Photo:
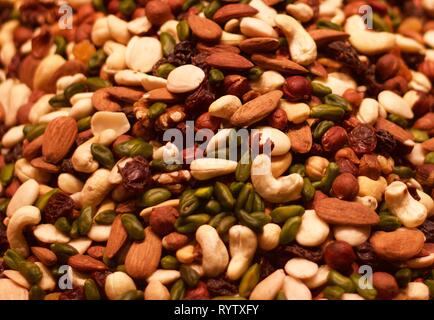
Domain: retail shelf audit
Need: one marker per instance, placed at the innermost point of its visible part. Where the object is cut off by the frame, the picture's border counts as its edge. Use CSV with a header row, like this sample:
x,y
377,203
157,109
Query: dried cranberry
x,y
73,294
428,230
221,287
59,205
386,143
363,139
136,175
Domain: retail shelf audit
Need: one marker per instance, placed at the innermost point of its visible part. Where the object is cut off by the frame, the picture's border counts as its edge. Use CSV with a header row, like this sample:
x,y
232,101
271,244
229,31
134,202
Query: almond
x,y
395,130
426,122
233,11
34,148
280,64
116,239
27,70
203,28
335,211
217,48
401,244
59,138
256,109
228,60
107,99
428,145
161,94
143,257
43,165
325,36
96,252
301,138
85,263
46,256
259,45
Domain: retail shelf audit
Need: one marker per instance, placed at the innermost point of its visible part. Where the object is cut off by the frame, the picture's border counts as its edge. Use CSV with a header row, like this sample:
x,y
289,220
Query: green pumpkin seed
x,y
298,168
281,214
35,131
215,76
102,155
188,4
91,291
236,187
167,43
13,259
156,109
319,89
379,24
336,100
258,203
212,8
289,230
63,251
169,263
177,291
250,201
188,203
62,224
42,201
84,221
155,196
224,195
133,295
105,217
322,128
164,70
134,147
419,135
388,222
96,83
96,61
225,224
84,124
36,293
30,271
7,173
330,175
429,158
403,277
190,223
189,275
333,292
337,279
74,230
254,221
133,226
183,30
120,267
327,112
249,280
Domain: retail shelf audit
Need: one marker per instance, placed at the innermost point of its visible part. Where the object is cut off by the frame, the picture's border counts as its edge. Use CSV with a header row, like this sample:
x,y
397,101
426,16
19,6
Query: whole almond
x,y
428,145
107,99
324,36
335,211
228,60
259,45
202,47
395,130
34,148
426,122
203,28
256,109
43,165
283,65
46,256
143,257
85,263
233,11
59,138
399,245
301,138
116,239
161,94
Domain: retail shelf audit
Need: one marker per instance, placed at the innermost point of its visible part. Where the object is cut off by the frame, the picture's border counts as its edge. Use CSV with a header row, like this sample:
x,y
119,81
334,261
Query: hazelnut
x,y
339,255
316,167
398,84
353,96
207,121
370,167
158,12
236,85
387,67
423,105
427,68
334,138
278,119
162,219
385,284
297,88
347,153
345,186
174,241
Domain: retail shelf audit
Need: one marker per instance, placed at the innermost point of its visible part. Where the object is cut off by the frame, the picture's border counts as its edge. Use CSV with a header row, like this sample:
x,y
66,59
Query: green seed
x,y
281,296
156,109
319,89
338,101
96,83
213,207
404,172
281,214
337,279
330,175
177,291
308,191
419,135
60,43
43,200
13,259
189,275
102,155
74,230
133,226
324,24
204,192
388,223
215,221
333,292
59,101
243,196
242,172
96,61
236,187
327,112
190,223
430,284
211,9
188,203
7,173
400,121
120,267
183,30
3,205
403,277
249,280
34,131
368,294
167,43
379,24
164,70
250,201
62,224
187,4
63,251
127,7
99,5
226,223
91,291
73,89
429,158
105,217
161,165
224,196
215,76
132,295
84,221
134,147
322,128
258,203
36,293
155,196
254,221
289,230
169,263
30,271
298,168
255,73
84,123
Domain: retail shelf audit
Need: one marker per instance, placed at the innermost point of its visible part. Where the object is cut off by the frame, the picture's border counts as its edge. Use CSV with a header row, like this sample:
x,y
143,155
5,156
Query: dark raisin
x,y
366,255
346,165
73,294
413,59
312,254
99,277
59,205
386,143
199,60
428,230
136,175
266,268
200,99
363,139
221,287
14,154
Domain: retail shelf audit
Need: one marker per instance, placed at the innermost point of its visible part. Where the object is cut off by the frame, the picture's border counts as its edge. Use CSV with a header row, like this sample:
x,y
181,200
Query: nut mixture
x,y
337,204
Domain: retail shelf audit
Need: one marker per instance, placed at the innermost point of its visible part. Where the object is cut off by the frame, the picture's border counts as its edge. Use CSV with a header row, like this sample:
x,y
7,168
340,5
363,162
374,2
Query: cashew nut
x,y
369,187
25,195
312,231
96,188
265,13
242,246
409,211
268,81
274,190
301,45
215,257
268,288
69,183
427,201
269,238
166,277
280,141
82,158
25,171
23,217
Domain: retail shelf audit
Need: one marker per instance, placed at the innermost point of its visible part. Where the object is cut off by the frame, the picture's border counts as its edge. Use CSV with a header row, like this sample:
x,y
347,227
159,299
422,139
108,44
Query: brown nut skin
x,y
353,96
236,85
158,12
370,167
339,255
345,186
174,241
334,138
278,119
297,88
427,68
387,67
207,121
423,105
398,84
162,219
385,284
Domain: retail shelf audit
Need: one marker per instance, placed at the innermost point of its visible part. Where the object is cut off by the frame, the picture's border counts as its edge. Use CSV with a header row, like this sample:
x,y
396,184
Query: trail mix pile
x,y
338,92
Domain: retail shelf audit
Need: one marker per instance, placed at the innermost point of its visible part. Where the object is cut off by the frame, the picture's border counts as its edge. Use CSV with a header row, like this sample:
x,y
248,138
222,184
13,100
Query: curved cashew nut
x,y
82,159
215,257
274,190
23,217
301,45
242,246
410,212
